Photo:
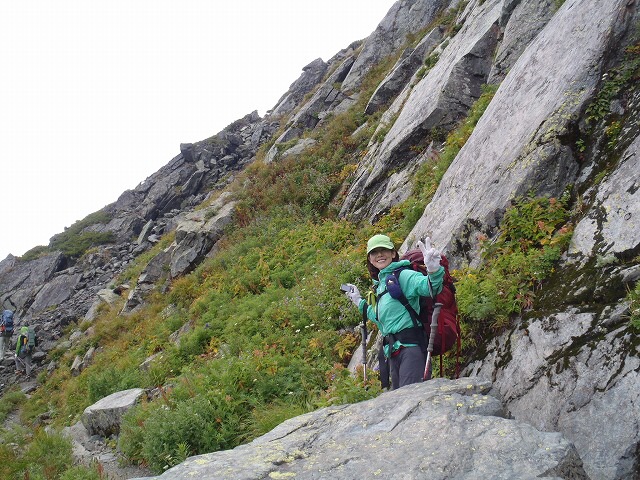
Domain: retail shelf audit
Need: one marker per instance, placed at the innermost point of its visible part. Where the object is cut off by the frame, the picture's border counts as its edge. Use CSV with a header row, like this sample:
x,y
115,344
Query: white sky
x,y
95,96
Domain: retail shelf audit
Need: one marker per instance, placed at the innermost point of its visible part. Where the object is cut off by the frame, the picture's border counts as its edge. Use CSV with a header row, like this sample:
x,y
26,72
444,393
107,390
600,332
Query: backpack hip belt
x,y
407,336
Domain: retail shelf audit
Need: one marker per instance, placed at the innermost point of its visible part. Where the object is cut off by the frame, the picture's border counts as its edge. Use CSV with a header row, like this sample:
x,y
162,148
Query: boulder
x,y
299,147
56,291
323,100
103,417
198,232
104,296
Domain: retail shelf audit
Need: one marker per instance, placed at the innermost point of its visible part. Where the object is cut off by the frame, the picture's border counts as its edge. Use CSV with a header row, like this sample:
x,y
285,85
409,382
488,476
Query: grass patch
x,y
533,234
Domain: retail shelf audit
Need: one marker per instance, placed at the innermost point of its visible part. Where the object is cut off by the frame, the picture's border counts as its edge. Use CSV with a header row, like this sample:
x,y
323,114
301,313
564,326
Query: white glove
x,y
430,254
354,294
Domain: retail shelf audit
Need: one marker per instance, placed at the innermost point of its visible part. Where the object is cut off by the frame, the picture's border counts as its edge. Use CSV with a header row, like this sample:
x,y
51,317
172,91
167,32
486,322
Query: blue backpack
x,y
6,327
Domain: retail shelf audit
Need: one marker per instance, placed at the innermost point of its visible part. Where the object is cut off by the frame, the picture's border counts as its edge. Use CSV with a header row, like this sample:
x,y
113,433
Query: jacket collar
x,y
389,269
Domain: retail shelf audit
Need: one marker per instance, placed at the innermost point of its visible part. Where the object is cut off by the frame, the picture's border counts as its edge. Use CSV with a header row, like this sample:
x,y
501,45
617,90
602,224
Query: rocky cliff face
x,y
572,368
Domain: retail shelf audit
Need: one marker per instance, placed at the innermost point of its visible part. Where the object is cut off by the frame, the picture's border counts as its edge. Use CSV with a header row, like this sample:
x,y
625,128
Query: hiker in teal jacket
x,y
406,348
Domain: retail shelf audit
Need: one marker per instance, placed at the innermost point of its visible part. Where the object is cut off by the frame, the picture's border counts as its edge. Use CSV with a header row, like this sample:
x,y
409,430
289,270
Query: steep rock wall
x,y
439,100
509,155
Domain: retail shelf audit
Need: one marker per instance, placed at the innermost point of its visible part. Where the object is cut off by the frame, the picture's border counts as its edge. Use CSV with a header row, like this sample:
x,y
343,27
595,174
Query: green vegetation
x,y
74,241
40,456
533,234
10,401
615,81
35,252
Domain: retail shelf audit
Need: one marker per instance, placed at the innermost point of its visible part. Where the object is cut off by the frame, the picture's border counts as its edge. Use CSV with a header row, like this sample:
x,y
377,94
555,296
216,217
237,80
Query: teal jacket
x,y
389,314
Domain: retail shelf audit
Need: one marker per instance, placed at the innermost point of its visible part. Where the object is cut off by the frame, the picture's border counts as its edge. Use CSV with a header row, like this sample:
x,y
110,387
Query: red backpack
x,y
448,333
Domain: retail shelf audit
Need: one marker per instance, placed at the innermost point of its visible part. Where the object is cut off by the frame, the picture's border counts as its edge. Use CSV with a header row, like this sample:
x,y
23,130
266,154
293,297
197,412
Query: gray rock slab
x,y
612,225
438,101
575,376
439,430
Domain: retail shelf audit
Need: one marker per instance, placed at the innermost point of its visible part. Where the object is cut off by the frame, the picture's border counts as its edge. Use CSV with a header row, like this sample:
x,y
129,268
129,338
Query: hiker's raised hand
x,y
354,294
425,248
430,254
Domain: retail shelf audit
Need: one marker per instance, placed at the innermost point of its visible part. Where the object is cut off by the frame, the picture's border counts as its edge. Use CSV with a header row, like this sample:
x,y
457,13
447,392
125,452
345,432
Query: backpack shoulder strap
x,y
394,289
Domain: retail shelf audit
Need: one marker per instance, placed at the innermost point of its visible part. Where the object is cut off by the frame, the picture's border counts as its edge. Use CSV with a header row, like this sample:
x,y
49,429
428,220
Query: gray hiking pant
x,y
23,362
4,343
407,367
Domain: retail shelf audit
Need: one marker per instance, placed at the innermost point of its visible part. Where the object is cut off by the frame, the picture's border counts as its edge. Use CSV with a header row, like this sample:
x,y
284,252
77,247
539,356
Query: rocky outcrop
x,y
403,71
324,100
20,281
311,76
564,387
519,154
439,100
196,233
184,182
339,91
404,18
452,429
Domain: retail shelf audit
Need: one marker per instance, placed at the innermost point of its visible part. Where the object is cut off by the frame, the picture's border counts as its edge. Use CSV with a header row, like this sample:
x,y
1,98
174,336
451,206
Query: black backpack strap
x,y
378,297
403,299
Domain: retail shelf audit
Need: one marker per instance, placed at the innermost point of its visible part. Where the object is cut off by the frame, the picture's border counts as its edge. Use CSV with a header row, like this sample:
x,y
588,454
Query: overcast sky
x,y
98,95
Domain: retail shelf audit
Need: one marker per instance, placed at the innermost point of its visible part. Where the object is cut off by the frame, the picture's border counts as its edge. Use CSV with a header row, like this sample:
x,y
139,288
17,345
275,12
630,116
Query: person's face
x,y
381,257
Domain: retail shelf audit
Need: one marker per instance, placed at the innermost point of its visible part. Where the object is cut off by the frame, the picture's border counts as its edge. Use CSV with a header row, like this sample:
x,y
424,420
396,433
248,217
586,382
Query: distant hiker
x,y
25,345
6,330
405,345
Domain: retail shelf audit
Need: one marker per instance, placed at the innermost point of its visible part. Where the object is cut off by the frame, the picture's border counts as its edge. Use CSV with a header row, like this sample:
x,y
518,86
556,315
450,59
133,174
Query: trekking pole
x,y
363,327
432,336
